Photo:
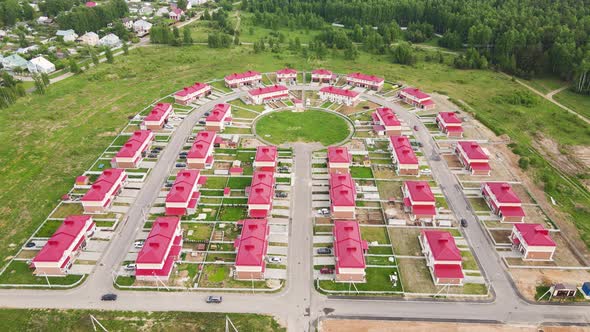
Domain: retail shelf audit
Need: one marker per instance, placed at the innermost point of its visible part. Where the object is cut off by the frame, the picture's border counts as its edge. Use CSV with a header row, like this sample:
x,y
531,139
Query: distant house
x,y
157,118
127,23
365,81
473,157
184,195
160,250
162,11
89,38
385,122
266,158
260,195
237,80
503,201
28,49
533,242
287,75
67,35
200,155
142,27
342,196
339,96
416,98
190,93
44,20
339,159
110,41
443,257
450,124
176,14
349,251
251,247
146,10
267,94
419,201
219,117
40,65
132,152
322,76
403,156
14,61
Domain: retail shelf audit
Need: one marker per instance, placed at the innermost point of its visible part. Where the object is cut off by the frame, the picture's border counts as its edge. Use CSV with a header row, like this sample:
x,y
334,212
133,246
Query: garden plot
x,y
377,281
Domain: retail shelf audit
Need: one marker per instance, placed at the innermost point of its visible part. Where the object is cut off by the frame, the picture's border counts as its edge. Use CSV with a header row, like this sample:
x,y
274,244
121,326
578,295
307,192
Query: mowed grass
x,y
308,126
79,320
577,102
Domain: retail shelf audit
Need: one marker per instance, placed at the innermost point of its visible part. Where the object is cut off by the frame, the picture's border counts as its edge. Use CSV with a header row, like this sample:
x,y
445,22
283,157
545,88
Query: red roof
x,y
234,76
403,150
135,143
535,235
473,150
348,245
387,117
419,191
90,4
424,210
415,92
103,184
512,211
177,11
62,239
81,179
448,271
218,113
252,242
268,89
503,192
257,213
159,111
201,145
342,190
286,71
266,153
365,77
442,245
158,241
262,188
449,117
192,89
338,154
164,271
339,91
480,166
322,72
182,189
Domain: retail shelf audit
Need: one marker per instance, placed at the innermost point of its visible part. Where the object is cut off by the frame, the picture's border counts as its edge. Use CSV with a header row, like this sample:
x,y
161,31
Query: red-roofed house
x,y
218,118
322,76
251,248
339,159
340,96
157,118
259,96
190,93
349,251
184,194
81,180
262,192
403,156
503,201
247,78
160,250
266,158
176,14
450,124
200,155
419,200
60,251
533,241
386,123
133,151
416,98
443,258
342,196
101,194
473,157
365,81
287,75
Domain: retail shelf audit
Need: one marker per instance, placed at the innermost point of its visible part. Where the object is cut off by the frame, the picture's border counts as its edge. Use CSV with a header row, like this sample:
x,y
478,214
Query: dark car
x,y
324,251
182,156
30,244
202,122
109,297
180,165
416,128
463,222
183,153
214,299
206,113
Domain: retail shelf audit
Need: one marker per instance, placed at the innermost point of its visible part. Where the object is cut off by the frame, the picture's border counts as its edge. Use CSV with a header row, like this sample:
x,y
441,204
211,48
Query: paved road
x,y
298,305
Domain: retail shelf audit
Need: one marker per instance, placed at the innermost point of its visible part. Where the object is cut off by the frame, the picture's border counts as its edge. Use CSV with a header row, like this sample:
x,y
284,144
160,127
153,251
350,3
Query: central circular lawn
x,y
309,126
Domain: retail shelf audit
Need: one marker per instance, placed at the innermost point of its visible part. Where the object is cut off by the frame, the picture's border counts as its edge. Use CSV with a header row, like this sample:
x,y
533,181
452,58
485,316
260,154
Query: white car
x,y
130,267
138,244
276,260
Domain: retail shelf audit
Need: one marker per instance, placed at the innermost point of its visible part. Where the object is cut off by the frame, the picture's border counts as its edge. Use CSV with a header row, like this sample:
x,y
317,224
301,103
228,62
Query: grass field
x,y
18,273
576,102
308,126
79,320
61,133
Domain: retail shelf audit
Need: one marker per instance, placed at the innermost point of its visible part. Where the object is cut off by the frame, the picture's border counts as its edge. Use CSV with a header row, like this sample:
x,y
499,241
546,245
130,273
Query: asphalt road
x,y
298,305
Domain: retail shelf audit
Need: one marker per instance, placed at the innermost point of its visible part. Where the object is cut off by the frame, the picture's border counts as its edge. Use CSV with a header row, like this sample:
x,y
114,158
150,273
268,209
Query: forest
x,y
527,38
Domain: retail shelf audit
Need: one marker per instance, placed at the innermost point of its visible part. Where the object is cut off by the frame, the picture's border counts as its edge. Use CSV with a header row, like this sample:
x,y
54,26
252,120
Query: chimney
x,y
204,134
351,249
160,105
261,176
96,186
258,190
348,228
541,230
154,244
199,146
252,227
341,177
128,145
107,172
505,186
249,247
474,145
180,188
69,222
52,242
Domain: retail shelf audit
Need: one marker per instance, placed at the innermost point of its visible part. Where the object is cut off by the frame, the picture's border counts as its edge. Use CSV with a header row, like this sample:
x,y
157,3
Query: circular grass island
x,y
308,126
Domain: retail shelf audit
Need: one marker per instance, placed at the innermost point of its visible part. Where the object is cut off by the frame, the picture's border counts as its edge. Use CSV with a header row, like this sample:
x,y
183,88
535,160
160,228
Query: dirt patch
x,y
527,280
572,162
369,216
349,325
248,143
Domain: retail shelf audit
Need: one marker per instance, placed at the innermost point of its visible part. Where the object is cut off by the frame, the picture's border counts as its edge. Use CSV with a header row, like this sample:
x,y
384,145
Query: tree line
x,y
522,37
83,19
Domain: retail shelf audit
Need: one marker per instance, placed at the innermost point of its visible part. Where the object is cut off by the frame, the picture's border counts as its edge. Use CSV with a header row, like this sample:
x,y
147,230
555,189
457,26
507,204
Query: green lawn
x,y
377,280
79,320
361,172
18,273
577,102
216,182
230,213
239,182
545,84
372,233
200,232
49,227
308,126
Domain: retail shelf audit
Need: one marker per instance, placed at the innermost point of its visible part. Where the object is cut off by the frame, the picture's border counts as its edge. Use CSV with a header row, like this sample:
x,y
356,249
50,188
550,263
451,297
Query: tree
x,y
8,80
182,4
403,54
351,52
45,79
125,49
109,55
120,30
40,87
94,58
187,38
74,67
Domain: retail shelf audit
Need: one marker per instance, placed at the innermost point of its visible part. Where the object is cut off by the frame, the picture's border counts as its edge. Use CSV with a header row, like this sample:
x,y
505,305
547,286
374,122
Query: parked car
x,y
153,155
416,128
167,126
109,297
138,244
202,122
206,113
420,144
30,245
281,194
183,157
324,212
180,165
324,251
214,299
168,184
130,267
326,270
184,153
158,148
275,260
463,222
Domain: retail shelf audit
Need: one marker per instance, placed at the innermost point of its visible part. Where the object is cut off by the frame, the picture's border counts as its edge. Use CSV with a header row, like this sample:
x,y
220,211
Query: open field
x,y
577,102
68,131
79,320
308,126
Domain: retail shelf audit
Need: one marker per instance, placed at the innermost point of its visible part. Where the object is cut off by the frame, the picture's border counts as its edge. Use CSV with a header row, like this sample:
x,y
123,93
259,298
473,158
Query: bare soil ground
x,y
349,325
250,143
369,216
405,241
571,162
501,236
362,106
452,161
527,280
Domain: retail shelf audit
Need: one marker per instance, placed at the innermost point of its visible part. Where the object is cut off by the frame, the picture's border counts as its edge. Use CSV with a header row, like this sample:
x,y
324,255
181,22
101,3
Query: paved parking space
x,y
81,269
283,221
119,209
134,185
283,238
277,250
95,245
90,255
320,204
275,274
106,235
132,256
324,260
278,229
147,164
281,212
323,239
123,199
281,202
282,187
320,197
157,210
128,192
